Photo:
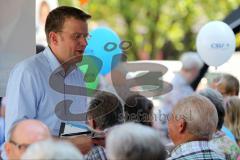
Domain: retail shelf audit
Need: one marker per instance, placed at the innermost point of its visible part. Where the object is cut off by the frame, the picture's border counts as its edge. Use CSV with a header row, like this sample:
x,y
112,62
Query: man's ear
x,y
182,125
92,123
7,147
53,38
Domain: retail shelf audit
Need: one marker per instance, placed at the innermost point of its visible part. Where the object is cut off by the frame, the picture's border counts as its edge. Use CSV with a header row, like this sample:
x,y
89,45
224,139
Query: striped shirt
x,y
97,153
197,150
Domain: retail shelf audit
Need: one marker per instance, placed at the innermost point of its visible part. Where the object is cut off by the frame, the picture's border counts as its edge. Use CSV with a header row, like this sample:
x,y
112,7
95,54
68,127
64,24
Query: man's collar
x,y
55,64
52,60
189,147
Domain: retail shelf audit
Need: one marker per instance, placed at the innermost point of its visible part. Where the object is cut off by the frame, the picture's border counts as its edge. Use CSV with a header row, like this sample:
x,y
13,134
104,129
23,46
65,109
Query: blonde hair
x,y
232,118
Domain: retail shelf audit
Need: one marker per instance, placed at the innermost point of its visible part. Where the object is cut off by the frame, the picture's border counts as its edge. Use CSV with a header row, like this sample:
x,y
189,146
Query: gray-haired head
x,y
191,60
217,99
199,114
134,141
191,65
52,150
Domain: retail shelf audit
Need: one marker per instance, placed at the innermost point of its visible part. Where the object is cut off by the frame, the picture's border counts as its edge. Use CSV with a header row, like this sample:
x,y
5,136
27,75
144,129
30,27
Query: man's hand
x,y
99,141
83,143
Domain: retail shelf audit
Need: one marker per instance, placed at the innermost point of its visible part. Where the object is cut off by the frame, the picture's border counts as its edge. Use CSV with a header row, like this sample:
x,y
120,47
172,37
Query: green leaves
x,y
153,26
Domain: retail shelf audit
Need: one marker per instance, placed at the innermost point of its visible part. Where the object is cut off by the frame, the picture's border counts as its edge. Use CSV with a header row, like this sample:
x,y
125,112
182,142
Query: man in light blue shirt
x,y
40,87
31,96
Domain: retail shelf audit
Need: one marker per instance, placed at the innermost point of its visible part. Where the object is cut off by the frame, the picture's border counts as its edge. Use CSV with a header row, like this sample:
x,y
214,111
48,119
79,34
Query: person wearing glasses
x,y
40,86
24,133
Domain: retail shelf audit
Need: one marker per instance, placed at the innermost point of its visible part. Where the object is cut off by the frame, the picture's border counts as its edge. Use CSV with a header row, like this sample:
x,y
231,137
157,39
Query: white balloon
x,y
215,43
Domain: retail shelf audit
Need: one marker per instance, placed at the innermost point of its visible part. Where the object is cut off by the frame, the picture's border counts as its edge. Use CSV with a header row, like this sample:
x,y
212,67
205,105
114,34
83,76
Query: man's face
x,y
20,141
72,40
221,88
192,74
15,148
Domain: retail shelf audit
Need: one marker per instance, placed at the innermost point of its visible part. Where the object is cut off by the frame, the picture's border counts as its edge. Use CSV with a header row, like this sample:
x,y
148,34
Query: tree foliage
x,y
157,28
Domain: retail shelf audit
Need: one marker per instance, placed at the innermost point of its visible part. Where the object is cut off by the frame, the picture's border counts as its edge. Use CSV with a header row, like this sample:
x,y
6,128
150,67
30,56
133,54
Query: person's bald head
x,y
24,133
36,130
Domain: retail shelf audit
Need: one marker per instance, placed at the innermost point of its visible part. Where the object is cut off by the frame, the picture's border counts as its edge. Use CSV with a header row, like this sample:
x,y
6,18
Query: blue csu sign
x,y
220,45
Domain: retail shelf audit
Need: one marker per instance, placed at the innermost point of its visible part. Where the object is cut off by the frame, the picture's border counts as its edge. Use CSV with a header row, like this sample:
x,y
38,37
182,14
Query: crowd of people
x,y
47,90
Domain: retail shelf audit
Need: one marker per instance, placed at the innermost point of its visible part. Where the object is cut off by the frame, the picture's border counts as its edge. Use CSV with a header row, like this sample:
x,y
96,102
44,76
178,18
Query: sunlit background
x,y
158,29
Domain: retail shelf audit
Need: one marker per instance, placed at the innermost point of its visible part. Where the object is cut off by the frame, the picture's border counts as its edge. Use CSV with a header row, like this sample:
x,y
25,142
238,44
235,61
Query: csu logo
x,y
220,45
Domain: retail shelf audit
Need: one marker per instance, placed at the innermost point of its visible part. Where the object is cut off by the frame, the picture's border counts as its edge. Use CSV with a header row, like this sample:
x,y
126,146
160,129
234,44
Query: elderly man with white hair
x,y
132,141
191,65
193,122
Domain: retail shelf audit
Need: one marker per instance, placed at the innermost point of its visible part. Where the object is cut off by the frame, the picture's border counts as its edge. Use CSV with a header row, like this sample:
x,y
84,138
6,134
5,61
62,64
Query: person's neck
x,y
183,73
98,129
65,65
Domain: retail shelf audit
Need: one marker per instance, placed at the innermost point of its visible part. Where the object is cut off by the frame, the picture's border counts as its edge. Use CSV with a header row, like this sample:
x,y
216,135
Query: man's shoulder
x,y
195,150
97,152
32,61
30,64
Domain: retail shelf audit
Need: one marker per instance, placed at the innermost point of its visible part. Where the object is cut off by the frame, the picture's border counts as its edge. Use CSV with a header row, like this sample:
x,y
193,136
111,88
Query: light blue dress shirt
x,y
31,97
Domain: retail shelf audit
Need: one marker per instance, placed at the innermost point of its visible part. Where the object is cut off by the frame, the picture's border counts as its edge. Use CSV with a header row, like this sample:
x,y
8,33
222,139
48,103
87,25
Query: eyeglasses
x,y
19,146
77,36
